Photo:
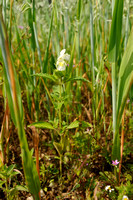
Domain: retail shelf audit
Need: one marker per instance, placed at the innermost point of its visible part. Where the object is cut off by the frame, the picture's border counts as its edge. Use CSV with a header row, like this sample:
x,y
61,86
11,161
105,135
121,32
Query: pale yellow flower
x,y
125,198
62,60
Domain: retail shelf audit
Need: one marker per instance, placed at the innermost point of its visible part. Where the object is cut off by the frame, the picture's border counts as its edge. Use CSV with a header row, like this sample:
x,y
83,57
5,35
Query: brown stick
x,y
36,142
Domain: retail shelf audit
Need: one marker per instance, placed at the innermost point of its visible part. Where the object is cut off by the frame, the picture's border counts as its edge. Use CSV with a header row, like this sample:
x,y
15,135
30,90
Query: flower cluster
x,y
62,60
108,188
125,198
116,162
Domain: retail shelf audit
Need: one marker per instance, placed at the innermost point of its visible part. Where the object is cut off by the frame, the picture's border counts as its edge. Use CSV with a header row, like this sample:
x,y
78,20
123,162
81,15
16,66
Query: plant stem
x,y
92,54
114,97
4,10
92,41
60,107
6,187
61,167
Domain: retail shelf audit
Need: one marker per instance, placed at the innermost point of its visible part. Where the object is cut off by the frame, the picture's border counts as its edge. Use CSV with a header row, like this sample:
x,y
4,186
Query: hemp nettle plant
x,y
59,98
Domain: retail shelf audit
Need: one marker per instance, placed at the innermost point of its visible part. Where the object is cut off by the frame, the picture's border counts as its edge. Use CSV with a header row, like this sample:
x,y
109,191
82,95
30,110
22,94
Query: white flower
x,y
62,60
62,52
61,65
41,193
29,198
125,198
109,188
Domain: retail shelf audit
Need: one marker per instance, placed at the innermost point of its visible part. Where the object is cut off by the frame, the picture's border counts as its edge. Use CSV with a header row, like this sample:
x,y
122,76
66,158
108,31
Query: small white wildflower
x,y
29,198
41,193
62,60
125,198
109,188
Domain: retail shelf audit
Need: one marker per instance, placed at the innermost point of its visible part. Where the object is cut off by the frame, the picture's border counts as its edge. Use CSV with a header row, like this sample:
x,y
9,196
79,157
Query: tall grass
x,y
15,105
93,34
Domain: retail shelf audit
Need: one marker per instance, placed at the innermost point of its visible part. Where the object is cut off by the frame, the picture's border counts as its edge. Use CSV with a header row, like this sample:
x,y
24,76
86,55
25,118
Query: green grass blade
x,y
125,77
115,33
30,21
92,41
37,44
15,105
79,9
71,58
4,10
47,50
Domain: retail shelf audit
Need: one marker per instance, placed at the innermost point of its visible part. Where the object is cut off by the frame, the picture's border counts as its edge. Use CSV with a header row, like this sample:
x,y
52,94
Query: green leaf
x,y
17,188
10,170
74,124
69,69
86,124
7,74
37,44
115,33
48,76
2,182
42,125
116,147
125,79
79,9
16,110
21,188
25,7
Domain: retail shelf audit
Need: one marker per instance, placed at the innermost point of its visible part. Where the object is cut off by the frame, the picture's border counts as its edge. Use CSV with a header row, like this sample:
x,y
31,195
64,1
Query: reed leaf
x,y
115,33
124,83
125,77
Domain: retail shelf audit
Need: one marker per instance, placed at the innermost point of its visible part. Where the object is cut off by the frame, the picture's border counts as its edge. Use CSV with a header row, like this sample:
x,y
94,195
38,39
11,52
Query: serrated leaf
x,y
44,75
74,124
46,125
